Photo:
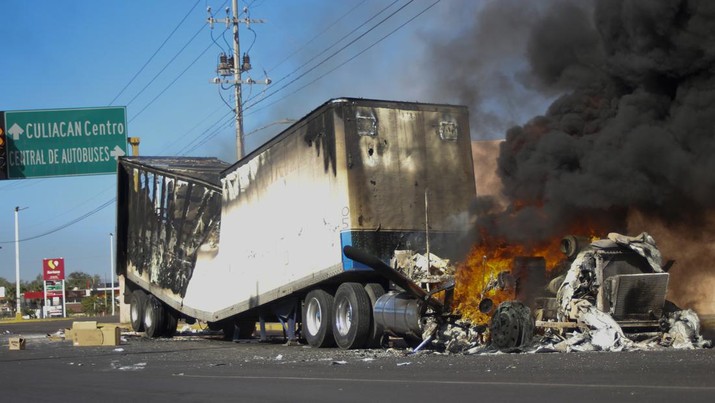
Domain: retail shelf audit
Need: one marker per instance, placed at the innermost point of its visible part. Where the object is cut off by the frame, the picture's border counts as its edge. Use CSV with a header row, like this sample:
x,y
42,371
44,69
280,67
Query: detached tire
x,y
352,313
137,302
318,319
376,332
512,326
154,320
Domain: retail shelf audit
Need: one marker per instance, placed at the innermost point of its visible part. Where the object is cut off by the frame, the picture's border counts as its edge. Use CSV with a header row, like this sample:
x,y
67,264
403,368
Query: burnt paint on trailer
x,y
167,219
280,221
321,137
391,169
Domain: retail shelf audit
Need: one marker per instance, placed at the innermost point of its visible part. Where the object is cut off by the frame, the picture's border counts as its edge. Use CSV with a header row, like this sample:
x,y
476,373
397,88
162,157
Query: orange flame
x,y
482,268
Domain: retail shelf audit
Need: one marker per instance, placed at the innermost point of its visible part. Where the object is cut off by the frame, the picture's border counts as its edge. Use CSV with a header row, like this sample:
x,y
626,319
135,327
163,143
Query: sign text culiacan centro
x,y
64,141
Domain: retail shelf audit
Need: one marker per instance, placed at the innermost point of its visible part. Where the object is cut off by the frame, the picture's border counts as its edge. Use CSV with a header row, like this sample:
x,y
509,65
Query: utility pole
x,y
18,313
235,65
111,267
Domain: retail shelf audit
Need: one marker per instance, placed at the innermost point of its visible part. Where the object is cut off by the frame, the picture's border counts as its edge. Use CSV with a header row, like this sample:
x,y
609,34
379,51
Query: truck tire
x,y
511,326
376,333
318,318
154,321
137,302
246,328
214,326
229,328
352,313
172,319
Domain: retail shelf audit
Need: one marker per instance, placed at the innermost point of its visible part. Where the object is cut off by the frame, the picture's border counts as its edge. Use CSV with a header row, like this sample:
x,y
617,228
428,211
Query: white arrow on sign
x,y
117,152
16,131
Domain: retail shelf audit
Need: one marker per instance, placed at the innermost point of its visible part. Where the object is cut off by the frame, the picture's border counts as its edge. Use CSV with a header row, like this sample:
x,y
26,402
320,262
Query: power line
x,y
216,130
155,52
113,199
186,133
346,61
72,222
333,45
170,84
333,54
317,35
167,64
199,140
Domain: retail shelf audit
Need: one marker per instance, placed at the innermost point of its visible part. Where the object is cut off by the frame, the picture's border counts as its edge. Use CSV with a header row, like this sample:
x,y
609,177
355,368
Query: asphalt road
x,y
204,367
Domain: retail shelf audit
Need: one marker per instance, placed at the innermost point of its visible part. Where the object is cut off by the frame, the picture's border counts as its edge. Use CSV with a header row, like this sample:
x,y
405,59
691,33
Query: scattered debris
x,y
16,343
610,298
57,336
421,269
684,331
134,367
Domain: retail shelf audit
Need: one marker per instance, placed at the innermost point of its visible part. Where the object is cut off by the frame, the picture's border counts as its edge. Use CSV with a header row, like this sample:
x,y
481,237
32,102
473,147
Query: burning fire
x,y
479,276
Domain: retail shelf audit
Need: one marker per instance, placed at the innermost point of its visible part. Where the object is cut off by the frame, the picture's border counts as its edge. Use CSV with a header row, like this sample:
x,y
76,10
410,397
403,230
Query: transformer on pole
x,y
234,65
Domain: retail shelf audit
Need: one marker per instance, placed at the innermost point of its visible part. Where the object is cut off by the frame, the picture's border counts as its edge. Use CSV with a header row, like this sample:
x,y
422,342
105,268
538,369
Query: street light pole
x,y
18,312
111,266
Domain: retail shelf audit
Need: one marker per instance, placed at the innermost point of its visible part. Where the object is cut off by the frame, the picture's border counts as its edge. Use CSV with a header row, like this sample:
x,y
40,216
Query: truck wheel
x,y
246,328
172,319
351,316
317,319
374,339
229,328
154,323
137,302
511,326
214,326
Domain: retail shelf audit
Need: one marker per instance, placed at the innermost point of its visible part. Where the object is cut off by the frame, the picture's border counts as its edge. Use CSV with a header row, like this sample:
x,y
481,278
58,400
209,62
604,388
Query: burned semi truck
x,y
200,239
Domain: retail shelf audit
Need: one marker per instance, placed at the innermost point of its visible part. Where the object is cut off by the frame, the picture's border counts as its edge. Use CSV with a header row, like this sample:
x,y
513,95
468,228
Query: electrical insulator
x,y
224,68
246,62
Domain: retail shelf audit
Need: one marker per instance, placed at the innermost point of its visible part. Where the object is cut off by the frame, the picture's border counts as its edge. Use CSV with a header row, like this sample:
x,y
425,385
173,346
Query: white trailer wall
x,y
280,222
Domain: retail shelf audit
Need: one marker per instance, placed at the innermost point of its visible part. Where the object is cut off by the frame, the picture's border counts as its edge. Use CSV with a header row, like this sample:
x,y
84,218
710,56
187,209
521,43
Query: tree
x,y
9,292
35,285
80,280
93,305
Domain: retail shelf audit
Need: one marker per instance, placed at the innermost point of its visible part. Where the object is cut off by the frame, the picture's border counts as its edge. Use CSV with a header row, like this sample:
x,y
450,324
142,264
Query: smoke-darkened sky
x,y
625,139
632,120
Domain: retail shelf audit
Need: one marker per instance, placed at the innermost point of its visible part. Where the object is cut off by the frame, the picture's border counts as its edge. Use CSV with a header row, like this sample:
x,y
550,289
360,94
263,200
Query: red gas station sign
x,y
53,269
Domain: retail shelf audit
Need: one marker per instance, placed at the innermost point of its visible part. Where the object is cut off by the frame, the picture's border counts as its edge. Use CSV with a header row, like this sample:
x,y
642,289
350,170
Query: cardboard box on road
x,y
17,343
90,334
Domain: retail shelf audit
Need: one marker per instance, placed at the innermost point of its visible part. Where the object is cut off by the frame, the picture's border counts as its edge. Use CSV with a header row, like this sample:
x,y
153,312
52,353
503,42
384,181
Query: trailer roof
x,y
206,169
344,100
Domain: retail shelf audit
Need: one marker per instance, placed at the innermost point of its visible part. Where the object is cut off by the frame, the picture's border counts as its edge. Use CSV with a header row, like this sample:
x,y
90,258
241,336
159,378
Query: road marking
x,y
448,382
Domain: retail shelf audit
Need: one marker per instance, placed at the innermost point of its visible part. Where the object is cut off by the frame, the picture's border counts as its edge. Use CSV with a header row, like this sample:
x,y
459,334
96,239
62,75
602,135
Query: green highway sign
x,y
62,142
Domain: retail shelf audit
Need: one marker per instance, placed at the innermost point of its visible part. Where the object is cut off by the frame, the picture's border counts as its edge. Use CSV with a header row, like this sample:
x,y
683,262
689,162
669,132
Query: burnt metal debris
x,y
611,298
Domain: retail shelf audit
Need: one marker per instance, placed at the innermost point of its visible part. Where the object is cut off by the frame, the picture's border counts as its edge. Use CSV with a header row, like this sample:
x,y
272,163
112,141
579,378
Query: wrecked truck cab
x,y
613,297
621,276
608,294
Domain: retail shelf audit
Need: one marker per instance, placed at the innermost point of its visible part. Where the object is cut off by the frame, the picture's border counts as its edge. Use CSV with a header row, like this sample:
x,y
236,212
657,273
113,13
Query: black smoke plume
x,y
633,128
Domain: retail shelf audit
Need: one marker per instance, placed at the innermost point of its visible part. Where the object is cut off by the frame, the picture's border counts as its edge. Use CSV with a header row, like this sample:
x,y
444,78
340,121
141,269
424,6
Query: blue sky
x,y
74,54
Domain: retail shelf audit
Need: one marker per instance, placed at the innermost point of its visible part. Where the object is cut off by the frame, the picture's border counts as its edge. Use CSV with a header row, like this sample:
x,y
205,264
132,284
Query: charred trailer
x,y
168,209
266,235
